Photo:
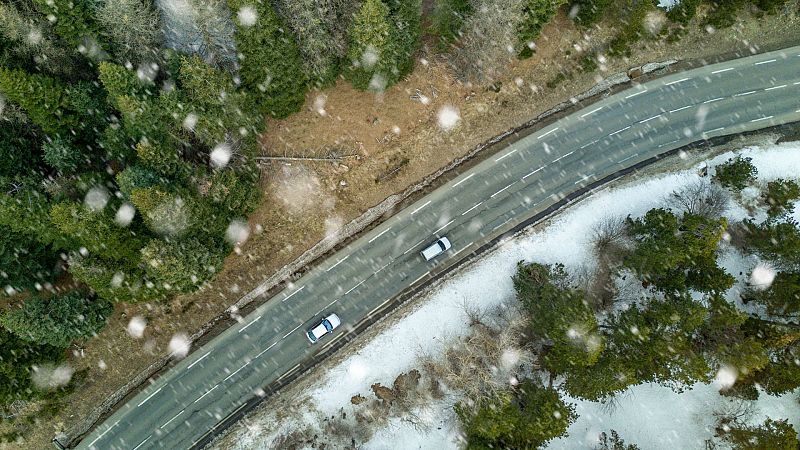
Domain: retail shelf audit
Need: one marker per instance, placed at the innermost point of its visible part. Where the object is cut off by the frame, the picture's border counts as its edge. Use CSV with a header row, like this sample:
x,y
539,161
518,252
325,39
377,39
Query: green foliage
x,y
614,442
684,11
135,177
590,11
96,231
110,282
777,242
782,298
406,21
45,99
780,196
536,14
449,16
373,49
235,192
724,341
529,416
60,154
271,67
771,435
58,320
17,356
73,21
736,173
22,212
560,314
631,28
723,13
24,261
180,266
18,148
676,254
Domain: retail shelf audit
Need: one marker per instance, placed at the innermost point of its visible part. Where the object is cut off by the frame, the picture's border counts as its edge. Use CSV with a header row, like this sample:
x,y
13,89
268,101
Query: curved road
x,y
182,407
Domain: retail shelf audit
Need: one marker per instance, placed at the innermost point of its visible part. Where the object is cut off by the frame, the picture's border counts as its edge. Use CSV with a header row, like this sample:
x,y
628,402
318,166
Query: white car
x,y
437,248
325,326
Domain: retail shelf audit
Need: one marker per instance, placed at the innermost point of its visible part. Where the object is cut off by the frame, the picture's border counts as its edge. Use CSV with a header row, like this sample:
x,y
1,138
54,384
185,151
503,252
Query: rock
x,y
636,72
382,392
358,399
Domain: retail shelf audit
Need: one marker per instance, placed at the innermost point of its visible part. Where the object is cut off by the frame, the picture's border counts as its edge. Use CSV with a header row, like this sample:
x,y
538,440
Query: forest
x,y
127,139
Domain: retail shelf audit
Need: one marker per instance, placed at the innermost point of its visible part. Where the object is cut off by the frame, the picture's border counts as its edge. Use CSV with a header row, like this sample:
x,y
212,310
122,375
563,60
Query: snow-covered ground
x,y
649,415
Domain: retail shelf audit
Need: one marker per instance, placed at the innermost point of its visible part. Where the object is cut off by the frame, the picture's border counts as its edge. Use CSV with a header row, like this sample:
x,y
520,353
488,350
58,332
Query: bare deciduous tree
x,y
700,198
29,37
134,26
489,40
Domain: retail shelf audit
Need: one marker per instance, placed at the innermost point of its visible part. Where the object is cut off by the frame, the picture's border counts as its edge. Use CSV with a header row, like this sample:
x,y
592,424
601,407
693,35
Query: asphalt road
x,y
183,406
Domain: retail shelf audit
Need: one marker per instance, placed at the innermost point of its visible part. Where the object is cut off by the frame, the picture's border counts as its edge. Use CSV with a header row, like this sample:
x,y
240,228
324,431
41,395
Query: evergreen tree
x,y
96,231
736,173
560,314
19,146
529,416
114,283
614,442
180,266
407,23
725,342
676,254
590,12
58,320
777,242
771,435
782,298
373,49
271,67
24,261
45,99
779,197
537,14
17,356
61,154
449,16
74,22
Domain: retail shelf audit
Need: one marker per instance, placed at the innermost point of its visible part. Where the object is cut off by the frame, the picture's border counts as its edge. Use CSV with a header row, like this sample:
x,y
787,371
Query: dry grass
x,y
365,123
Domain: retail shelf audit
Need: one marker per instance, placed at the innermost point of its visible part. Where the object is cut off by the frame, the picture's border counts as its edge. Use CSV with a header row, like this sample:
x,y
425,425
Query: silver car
x,y
327,325
437,248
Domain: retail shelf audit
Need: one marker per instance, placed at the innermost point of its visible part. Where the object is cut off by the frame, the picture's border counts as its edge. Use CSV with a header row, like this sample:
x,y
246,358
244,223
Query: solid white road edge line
x,y
150,396
245,327
295,292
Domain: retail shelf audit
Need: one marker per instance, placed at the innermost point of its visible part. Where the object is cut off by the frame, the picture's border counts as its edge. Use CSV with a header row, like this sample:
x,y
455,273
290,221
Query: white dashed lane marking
x,y
721,70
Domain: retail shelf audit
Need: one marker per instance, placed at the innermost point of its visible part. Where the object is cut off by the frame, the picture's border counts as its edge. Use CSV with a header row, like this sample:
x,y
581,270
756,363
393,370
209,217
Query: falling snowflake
x,y
179,345
190,121
51,377
762,276
125,215
237,232
319,104
726,376
370,57
448,117
96,199
136,326
247,15
220,156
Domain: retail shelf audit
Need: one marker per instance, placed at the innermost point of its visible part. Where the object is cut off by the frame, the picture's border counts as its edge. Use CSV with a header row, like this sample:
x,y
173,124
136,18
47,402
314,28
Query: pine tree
x,y
528,416
559,314
736,173
771,435
373,48
407,24
45,99
449,16
674,254
74,22
537,14
271,68
134,26
17,356
779,197
782,298
777,242
180,265
58,320
25,262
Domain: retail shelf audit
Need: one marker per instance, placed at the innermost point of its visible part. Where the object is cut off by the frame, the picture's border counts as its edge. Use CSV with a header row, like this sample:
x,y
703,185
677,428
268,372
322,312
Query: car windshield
x,y
441,245
311,336
328,325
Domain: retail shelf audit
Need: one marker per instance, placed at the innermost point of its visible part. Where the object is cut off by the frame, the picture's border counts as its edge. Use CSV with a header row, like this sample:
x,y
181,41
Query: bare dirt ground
x,y
394,141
